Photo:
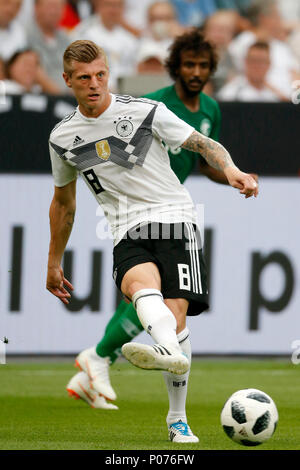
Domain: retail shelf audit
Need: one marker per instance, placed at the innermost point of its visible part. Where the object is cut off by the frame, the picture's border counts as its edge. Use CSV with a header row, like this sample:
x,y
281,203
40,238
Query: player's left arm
x,y
219,158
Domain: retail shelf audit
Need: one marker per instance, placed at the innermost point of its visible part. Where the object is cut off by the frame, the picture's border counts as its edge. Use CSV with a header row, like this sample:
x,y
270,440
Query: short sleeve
x,y
62,173
170,128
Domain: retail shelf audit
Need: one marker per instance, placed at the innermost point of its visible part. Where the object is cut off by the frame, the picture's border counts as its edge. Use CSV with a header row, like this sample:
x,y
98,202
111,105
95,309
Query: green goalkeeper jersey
x,y
207,121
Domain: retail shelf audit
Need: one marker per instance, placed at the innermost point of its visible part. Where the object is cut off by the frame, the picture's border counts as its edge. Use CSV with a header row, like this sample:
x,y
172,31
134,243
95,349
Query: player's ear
x,y
67,79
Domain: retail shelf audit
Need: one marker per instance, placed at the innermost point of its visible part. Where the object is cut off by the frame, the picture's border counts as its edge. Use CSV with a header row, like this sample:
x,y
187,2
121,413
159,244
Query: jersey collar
x,y
85,118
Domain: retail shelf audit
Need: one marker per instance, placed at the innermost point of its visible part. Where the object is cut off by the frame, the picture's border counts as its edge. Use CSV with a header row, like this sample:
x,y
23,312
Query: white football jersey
x,y
122,159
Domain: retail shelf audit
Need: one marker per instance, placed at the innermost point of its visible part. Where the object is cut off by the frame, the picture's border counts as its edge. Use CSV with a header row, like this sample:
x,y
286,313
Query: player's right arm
x,y
62,213
177,133
218,157
213,174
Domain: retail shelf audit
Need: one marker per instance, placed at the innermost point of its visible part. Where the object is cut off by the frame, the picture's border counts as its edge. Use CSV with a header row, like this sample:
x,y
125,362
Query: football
x,y
249,417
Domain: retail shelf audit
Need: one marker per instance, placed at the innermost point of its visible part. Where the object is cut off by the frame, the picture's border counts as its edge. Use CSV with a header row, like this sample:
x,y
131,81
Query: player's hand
x,y
246,183
56,282
254,176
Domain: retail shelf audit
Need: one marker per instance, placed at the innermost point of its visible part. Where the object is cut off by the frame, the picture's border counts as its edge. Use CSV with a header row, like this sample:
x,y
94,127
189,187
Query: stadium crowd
x,y
257,42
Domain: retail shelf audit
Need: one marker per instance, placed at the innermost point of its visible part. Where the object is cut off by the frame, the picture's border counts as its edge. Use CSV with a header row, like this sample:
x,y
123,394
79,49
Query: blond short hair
x,y
82,51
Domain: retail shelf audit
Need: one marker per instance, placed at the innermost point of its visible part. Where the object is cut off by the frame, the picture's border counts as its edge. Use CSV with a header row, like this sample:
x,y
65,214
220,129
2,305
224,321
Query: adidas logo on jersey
x,y
78,140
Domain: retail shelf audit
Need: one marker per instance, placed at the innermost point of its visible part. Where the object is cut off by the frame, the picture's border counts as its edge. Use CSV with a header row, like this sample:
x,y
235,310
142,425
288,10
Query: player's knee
x,y
140,277
129,289
134,287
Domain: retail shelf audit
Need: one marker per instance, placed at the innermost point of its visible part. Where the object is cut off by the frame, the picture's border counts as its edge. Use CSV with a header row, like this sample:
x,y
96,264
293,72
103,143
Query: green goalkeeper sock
x,y
123,326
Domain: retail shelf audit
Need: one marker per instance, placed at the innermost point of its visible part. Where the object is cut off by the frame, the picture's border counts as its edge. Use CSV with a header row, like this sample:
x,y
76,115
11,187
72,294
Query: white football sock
x,y
177,384
155,317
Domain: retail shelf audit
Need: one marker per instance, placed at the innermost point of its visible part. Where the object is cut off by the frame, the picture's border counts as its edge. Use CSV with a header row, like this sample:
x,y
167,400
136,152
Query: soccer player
x,y
191,62
121,154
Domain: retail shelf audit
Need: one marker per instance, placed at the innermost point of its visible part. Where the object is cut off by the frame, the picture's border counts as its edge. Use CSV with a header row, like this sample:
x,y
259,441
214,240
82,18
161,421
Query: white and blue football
x,y
249,417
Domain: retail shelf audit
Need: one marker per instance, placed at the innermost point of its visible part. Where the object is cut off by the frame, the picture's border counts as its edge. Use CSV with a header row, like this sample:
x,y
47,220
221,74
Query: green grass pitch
x,y
36,412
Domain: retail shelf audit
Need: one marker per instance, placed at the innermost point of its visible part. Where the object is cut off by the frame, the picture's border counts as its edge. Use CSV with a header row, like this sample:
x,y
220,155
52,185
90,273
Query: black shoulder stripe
x,y
145,100
125,99
59,150
64,120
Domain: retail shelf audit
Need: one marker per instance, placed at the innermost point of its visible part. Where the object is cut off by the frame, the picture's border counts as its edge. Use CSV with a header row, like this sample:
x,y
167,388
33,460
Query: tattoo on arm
x,y
213,152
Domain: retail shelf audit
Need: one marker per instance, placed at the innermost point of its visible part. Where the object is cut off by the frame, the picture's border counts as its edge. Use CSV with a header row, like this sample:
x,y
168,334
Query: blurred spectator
x,y
106,28
12,34
294,43
2,73
289,9
75,11
240,8
238,5
150,59
49,42
22,73
267,26
70,16
290,12
162,27
162,22
253,85
219,29
25,13
136,13
193,12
